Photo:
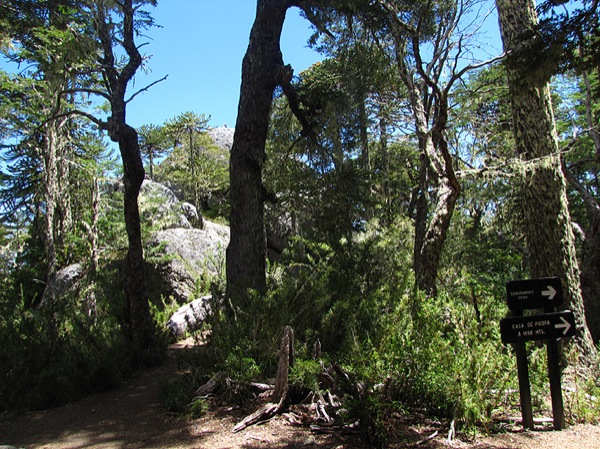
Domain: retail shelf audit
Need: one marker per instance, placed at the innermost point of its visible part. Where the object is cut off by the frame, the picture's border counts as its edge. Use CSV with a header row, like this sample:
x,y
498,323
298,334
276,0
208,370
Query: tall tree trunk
x,y
142,330
590,255
543,198
117,77
261,68
437,171
50,149
590,274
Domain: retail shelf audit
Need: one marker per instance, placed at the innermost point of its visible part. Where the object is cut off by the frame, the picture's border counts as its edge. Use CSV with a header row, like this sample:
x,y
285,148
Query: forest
x,y
378,203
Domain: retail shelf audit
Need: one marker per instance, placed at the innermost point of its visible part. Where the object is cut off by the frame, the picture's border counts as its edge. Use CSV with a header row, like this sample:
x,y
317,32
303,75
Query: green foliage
x,y
196,165
304,374
153,141
175,393
57,352
240,368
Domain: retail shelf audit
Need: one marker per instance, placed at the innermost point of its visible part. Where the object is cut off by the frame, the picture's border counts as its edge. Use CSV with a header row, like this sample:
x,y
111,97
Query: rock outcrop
x,y
183,250
189,254
222,137
161,207
189,316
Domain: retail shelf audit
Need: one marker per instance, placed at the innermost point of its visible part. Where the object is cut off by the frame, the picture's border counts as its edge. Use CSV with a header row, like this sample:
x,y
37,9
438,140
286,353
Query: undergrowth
x,y
439,355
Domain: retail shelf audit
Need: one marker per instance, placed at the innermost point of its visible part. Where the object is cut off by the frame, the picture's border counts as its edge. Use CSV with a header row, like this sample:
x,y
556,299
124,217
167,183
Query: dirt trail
x,y
131,417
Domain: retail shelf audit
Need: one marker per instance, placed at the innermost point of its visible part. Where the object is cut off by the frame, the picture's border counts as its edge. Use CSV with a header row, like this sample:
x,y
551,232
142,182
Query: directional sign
x,y
534,293
537,327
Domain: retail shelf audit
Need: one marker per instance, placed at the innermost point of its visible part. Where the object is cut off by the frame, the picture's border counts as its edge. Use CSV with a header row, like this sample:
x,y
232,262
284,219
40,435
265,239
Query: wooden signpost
x,y
551,326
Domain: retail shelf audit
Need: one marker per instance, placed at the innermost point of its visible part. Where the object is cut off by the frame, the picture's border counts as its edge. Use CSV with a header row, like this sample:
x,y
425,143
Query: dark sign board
x,y
534,293
537,327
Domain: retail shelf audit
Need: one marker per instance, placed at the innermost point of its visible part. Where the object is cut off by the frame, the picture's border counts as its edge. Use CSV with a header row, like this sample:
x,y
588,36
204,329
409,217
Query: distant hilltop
x,y
222,136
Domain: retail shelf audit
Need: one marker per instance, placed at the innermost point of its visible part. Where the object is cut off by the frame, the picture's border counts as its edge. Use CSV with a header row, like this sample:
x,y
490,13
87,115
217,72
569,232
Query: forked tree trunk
x,y
429,106
543,199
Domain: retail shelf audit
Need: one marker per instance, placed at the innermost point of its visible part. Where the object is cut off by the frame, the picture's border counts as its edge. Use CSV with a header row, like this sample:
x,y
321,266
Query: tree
x,y
581,165
47,37
153,144
262,71
570,40
187,127
118,61
195,164
414,32
544,210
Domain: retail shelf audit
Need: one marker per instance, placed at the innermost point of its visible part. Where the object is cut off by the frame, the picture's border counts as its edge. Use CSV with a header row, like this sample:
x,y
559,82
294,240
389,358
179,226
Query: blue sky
x,y
200,47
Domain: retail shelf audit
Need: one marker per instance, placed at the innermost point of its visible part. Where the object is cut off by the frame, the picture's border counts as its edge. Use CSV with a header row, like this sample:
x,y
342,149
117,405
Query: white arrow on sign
x,y
550,293
564,325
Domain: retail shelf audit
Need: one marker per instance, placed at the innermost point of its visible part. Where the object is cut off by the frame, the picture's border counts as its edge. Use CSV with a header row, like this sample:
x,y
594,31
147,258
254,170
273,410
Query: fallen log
x,y
263,414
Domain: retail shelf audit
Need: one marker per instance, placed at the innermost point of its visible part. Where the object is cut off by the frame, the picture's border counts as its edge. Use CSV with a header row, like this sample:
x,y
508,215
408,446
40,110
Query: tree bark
x,y
590,275
543,199
142,331
117,78
590,254
590,257
261,69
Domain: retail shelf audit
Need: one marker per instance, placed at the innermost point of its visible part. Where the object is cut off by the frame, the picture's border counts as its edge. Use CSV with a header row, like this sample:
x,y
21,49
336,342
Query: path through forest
x,y
132,417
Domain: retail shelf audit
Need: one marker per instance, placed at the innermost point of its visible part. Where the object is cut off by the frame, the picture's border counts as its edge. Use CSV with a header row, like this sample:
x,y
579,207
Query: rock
x,y
112,186
188,255
66,281
158,191
66,277
160,206
191,214
189,316
222,137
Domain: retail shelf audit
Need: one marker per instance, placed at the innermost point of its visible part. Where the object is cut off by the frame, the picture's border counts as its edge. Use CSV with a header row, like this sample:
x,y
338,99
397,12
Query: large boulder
x,y
222,137
160,206
186,256
66,281
189,316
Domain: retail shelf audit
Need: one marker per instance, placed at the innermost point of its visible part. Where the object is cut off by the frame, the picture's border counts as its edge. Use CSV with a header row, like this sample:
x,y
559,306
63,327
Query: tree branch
x,y
146,88
86,91
313,19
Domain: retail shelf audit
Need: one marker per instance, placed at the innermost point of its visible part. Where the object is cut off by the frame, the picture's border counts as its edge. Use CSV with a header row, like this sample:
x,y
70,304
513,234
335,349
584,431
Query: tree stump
x,y
281,392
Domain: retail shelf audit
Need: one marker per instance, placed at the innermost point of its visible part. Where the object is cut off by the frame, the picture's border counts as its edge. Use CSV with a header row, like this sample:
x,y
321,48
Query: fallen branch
x,y
425,440
210,386
265,413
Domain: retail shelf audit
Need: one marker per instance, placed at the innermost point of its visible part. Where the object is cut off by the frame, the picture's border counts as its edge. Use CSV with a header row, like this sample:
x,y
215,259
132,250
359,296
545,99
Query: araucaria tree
x,y
543,201
263,70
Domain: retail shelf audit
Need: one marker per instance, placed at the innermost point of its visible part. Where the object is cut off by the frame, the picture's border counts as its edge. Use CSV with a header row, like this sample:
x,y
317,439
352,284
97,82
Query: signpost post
x,y
544,294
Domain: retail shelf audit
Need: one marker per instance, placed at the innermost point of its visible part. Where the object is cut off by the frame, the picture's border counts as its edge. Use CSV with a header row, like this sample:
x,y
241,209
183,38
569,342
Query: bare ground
x,y
131,417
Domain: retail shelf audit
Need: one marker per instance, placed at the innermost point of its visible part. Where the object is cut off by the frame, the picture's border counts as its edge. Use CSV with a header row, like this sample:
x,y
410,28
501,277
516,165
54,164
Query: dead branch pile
x,y
321,410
